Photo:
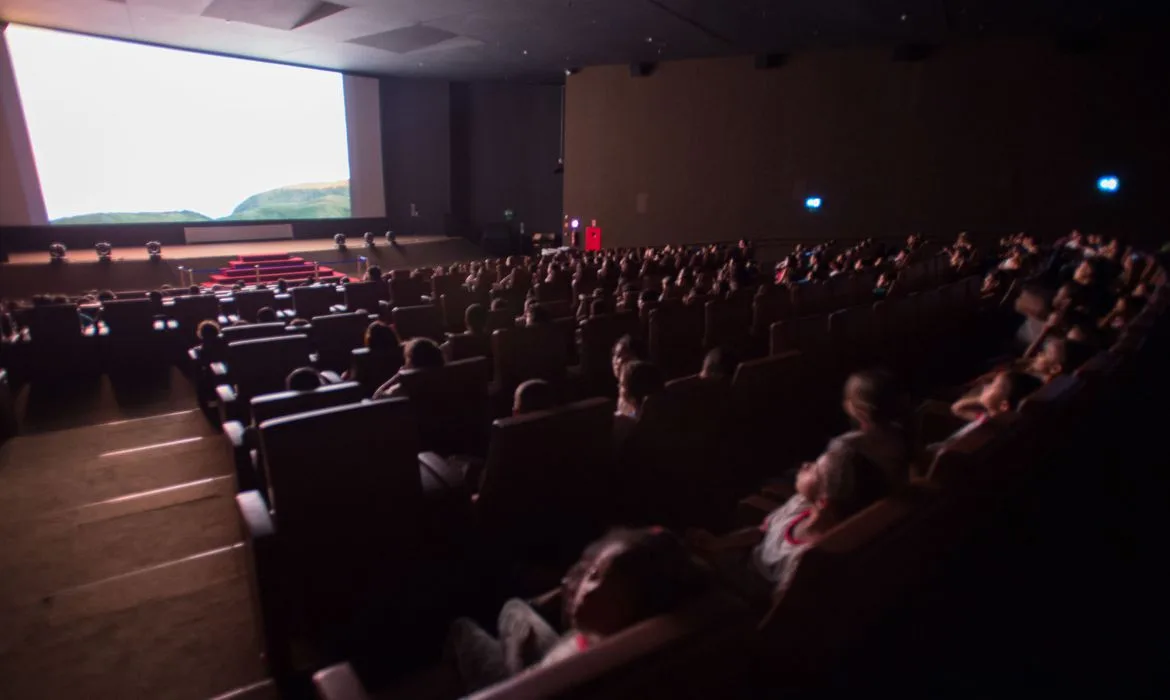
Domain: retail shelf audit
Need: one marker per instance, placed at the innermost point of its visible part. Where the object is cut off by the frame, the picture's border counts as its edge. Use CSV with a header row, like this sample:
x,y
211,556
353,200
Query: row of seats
x,y
549,478
722,648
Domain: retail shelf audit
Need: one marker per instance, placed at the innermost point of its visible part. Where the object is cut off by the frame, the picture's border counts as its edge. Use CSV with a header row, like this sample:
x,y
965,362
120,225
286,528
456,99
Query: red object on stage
x,y
593,238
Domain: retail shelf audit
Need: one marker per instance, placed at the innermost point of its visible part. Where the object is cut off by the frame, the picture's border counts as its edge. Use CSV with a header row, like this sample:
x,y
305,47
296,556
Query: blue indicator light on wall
x,y
812,203
1108,183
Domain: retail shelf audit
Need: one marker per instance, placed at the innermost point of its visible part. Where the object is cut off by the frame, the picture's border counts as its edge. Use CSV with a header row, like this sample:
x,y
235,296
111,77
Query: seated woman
x,y
624,578
417,353
759,562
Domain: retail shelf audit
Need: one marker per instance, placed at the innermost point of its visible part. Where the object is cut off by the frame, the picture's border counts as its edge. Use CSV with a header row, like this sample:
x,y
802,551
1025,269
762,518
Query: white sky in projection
x,y
121,127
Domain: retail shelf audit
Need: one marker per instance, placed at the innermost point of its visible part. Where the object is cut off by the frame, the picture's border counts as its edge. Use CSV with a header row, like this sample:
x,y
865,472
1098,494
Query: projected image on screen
x,y
126,133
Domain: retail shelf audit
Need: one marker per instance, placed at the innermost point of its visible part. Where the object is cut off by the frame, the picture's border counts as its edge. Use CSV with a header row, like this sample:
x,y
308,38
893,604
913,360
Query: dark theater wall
x,y
988,137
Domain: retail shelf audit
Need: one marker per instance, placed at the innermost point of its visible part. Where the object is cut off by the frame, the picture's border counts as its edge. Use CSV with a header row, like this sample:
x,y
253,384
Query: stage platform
x,y
27,274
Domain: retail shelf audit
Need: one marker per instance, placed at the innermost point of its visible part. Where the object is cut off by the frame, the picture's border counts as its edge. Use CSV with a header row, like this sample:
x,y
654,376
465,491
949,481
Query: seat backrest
x,y
405,291
843,583
286,403
537,352
691,653
548,475
260,366
464,346
128,317
252,331
192,310
676,339
451,405
558,308
336,336
248,303
807,334
986,454
310,302
728,324
455,302
422,321
676,460
346,494
498,319
771,308
598,336
372,371
54,323
365,295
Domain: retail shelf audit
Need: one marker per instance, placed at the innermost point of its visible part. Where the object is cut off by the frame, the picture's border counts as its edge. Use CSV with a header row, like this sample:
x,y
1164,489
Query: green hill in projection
x,y
329,200
323,200
141,217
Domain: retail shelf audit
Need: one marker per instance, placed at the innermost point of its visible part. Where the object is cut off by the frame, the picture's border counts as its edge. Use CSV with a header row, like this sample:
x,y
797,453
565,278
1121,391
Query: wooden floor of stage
x,y
216,250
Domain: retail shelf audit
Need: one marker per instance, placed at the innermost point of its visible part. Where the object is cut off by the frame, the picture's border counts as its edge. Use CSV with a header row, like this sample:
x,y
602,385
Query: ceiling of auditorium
x,y
540,39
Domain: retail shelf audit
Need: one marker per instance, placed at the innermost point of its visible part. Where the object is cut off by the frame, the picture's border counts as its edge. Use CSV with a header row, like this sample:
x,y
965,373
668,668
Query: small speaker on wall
x,y
642,70
768,61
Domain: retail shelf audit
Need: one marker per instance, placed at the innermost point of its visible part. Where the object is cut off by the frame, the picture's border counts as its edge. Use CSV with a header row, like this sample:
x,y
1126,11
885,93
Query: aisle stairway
x,y
121,572
269,268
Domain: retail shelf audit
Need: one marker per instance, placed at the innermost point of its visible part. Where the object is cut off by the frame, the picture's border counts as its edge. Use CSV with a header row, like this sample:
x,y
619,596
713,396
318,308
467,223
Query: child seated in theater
x,y
639,380
719,365
1003,394
417,354
759,562
266,314
1059,356
879,409
532,396
212,347
304,379
626,349
624,578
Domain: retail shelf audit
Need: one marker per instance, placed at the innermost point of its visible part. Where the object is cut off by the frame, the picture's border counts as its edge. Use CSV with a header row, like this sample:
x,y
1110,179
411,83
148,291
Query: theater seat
x,y
248,303
598,336
310,302
678,465
691,653
244,439
365,296
464,346
676,339
349,531
252,331
451,405
336,336
372,371
189,311
537,352
256,367
548,482
422,321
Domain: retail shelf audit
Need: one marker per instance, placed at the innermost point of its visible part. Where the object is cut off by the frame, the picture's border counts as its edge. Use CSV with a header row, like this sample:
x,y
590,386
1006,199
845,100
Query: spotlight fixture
x,y
154,250
339,241
368,237
391,238
1108,184
56,252
103,250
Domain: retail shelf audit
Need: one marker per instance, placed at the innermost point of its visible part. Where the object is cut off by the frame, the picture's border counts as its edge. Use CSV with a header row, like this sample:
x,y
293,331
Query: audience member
x,y
304,379
266,314
531,396
719,364
880,411
418,354
626,577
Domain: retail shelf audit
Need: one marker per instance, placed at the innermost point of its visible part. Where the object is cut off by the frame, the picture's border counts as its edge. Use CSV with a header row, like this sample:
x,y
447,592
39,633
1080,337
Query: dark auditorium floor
x,y
121,570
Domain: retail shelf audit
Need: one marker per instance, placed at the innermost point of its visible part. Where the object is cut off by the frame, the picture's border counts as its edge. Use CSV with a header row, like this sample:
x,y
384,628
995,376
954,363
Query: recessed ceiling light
x,y
525,52
904,16
649,40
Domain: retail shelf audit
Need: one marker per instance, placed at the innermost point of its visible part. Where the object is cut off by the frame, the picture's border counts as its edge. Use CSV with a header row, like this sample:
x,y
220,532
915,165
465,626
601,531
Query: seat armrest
x,y
219,369
339,682
255,519
193,353
330,376
751,511
446,473
229,406
236,434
